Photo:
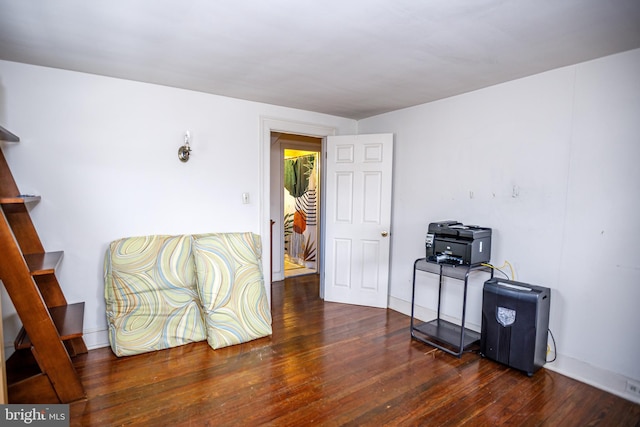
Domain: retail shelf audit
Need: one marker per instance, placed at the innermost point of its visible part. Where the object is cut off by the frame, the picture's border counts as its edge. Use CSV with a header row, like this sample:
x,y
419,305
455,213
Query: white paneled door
x,y
358,219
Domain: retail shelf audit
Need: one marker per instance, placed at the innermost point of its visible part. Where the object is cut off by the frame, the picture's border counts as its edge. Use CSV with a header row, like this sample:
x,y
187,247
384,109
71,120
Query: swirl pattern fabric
x,y
231,288
151,294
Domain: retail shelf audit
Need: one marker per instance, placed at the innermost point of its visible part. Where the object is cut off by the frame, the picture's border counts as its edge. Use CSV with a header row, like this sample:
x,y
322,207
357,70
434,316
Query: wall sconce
x,y
185,150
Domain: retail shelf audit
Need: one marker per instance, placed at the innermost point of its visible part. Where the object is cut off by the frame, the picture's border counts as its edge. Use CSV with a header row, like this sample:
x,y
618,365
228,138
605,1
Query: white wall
x,y
102,152
551,163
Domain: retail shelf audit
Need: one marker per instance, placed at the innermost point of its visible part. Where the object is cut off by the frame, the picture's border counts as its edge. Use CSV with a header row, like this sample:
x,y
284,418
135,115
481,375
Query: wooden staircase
x,y
41,369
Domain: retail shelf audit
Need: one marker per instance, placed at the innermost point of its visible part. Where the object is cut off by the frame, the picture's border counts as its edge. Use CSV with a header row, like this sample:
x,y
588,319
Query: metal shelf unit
x,y
442,334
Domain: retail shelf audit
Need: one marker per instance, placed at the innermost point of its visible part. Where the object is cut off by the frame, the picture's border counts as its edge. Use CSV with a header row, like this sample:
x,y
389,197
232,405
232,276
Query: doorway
x,y
297,190
301,211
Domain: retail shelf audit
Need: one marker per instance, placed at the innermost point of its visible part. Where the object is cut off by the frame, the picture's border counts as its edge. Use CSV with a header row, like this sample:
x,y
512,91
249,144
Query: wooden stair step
x,y
21,365
36,388
43,263
41,369
20,199
5,135
68,319
25,380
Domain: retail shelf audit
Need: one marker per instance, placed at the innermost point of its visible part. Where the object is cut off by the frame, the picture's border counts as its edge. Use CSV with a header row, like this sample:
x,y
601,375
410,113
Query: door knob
x,y
384,233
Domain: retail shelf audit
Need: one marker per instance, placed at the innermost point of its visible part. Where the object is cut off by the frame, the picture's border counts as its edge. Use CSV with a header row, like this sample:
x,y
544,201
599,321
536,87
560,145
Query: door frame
x,y
267,126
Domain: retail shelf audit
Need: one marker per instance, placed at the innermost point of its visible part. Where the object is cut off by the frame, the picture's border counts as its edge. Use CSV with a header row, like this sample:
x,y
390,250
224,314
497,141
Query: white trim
x,y
594,376
573,368
424,314
93,339
580,371
97,338
268,125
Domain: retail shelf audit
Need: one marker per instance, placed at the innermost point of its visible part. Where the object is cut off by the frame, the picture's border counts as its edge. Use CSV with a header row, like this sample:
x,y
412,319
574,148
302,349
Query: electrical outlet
x,y
633,387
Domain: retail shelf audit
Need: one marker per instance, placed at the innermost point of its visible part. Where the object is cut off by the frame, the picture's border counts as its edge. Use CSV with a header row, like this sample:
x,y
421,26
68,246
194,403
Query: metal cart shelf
x,y
442,334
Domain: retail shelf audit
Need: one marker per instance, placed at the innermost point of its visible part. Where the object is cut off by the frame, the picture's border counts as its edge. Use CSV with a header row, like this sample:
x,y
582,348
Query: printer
x,y
451,242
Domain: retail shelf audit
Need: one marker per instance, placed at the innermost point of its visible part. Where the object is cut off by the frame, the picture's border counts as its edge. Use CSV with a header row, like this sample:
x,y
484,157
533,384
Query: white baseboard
x,y
424,314
573,368
93,339
97,338
594,376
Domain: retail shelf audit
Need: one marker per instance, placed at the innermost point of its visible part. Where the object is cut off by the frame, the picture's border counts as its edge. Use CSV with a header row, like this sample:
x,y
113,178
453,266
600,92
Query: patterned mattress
x,y
165,291
231,288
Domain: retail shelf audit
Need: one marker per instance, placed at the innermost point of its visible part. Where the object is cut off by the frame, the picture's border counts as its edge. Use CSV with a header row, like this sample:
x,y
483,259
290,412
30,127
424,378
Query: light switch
x,y
245,198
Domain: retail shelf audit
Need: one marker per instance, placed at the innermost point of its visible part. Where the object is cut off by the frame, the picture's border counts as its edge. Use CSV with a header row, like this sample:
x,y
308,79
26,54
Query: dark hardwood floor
x,y
331,364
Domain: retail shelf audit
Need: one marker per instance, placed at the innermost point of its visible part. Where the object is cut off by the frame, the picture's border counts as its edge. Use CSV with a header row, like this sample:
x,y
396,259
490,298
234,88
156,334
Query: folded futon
x,y
164,291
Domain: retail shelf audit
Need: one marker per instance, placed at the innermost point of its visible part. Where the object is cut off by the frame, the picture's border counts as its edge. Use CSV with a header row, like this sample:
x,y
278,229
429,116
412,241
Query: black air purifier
x,y
515,321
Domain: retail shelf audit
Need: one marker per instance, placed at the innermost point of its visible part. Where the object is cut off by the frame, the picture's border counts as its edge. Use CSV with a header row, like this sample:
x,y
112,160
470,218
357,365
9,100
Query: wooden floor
x,y
331,364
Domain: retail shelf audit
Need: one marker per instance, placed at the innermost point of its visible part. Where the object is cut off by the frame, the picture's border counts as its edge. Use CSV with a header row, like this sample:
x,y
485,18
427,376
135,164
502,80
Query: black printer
x,y
451,242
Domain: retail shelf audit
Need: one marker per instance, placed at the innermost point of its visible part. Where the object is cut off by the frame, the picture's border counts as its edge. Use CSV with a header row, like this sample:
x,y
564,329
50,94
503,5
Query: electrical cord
x,y
513,273
495,268
555,349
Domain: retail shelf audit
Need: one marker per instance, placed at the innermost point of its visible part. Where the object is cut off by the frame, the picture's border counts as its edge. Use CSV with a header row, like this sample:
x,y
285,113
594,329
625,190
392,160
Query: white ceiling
x,y
350,58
